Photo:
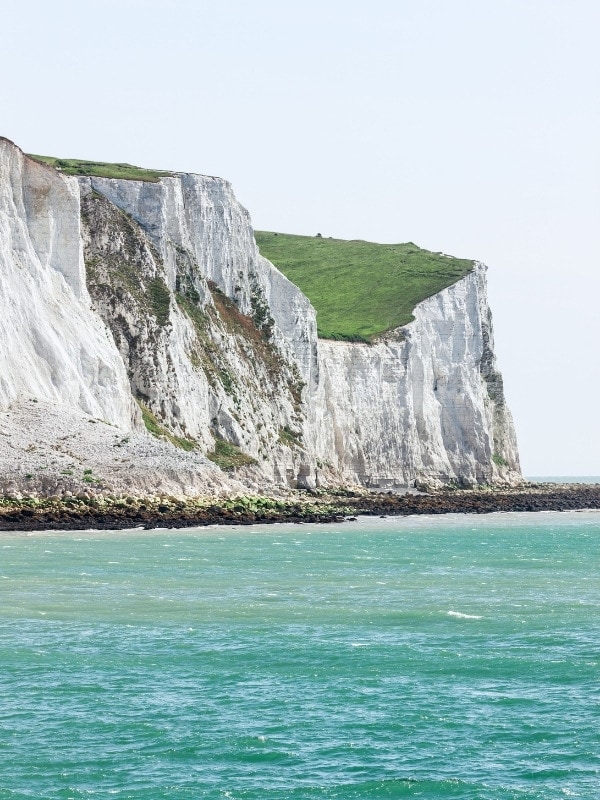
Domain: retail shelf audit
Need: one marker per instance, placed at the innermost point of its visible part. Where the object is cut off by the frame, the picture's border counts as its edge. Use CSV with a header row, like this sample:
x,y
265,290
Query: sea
x,y
424,657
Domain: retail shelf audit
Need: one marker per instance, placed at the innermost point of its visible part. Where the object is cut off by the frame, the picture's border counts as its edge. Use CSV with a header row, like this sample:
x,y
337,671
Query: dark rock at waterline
x,y
27,516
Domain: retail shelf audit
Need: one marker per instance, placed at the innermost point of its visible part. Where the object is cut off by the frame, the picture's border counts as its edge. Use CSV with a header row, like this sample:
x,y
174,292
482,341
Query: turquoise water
x,y
448,657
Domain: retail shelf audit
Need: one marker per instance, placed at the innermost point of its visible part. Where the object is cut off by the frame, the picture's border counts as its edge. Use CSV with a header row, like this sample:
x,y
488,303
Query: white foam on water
x,y
460,615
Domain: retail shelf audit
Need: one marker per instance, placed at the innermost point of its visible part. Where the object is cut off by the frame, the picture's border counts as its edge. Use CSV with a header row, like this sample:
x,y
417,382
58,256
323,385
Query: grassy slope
x,y
360,289
76,166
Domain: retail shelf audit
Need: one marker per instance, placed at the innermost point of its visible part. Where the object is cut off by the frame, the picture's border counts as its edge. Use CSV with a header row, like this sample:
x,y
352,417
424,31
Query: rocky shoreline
x,y
121,513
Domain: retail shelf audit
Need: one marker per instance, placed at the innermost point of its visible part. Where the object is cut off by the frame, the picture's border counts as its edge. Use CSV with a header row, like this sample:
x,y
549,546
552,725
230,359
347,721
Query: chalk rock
x,y
128,300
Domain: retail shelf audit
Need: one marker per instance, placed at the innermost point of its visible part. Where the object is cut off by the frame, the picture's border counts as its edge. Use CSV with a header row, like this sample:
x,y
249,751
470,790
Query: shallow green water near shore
x,y
448,657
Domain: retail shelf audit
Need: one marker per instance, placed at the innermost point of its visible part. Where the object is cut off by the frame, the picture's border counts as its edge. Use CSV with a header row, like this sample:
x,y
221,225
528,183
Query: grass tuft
x,y
228,456
150,421
289,437
158,430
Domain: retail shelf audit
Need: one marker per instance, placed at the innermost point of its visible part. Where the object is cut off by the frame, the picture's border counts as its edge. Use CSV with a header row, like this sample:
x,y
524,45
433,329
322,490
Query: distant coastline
x,y
563,479
121,513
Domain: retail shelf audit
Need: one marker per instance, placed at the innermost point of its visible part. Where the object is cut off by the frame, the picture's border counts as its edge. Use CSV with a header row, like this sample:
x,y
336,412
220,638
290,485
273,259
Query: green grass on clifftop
x,y
360,289
97,169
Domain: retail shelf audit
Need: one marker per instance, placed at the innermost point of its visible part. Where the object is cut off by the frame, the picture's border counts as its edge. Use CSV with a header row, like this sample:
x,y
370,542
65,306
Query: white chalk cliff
x,y
118,296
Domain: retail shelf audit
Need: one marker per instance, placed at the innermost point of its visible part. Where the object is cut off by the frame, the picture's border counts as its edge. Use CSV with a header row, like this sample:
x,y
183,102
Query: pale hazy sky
x,y
466,126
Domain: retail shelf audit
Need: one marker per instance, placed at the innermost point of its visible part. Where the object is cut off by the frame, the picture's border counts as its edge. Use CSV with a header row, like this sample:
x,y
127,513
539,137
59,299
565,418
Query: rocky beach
x,y
85,512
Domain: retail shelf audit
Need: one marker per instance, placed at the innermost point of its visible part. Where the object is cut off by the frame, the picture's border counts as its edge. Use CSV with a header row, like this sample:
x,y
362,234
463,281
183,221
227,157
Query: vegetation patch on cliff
x,y
98,169
158,430
290,438
228,456
160,299
360,289
256,331
206,355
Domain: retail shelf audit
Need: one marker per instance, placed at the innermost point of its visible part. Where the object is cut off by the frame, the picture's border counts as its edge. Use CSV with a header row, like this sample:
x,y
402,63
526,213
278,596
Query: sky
x,y
470,127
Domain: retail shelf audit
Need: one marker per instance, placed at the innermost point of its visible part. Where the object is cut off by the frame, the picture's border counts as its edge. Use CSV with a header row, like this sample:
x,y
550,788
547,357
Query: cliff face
x,y
122,297
52,344
217,343
425,403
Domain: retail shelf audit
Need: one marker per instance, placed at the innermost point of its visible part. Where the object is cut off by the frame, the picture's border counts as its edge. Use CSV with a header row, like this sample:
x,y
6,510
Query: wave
x,y
392,788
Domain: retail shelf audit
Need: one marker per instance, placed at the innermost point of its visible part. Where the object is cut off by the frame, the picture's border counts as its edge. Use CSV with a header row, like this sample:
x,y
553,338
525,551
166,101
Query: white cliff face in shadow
x,y
118,294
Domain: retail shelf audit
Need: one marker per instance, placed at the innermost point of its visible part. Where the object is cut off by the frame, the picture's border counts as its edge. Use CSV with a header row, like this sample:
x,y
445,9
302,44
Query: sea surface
x,y
420,657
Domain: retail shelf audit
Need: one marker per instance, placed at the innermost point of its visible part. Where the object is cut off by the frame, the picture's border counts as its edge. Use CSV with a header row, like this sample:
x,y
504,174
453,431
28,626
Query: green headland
x,y
360,289
98,169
